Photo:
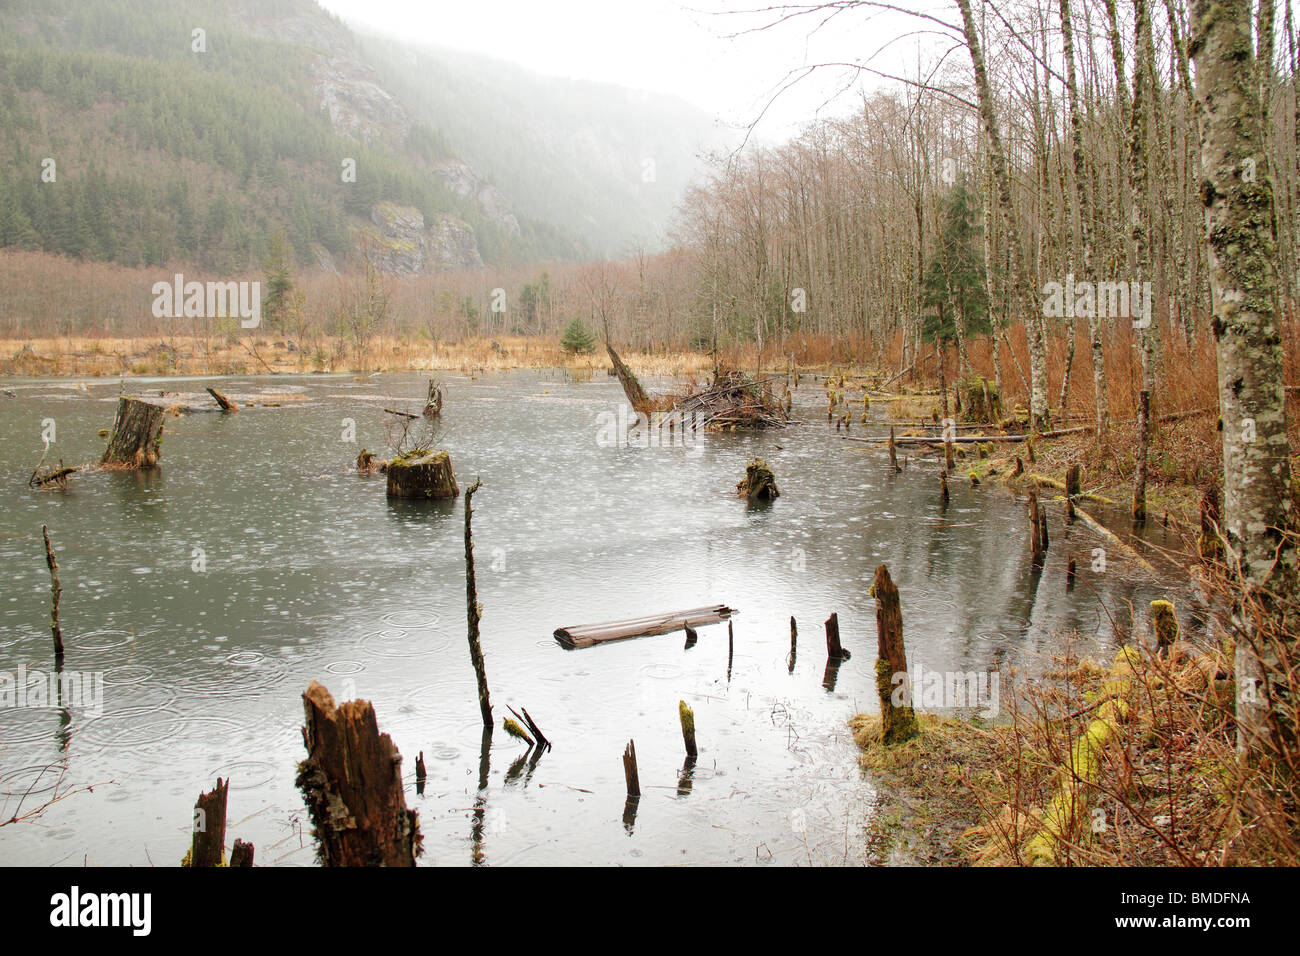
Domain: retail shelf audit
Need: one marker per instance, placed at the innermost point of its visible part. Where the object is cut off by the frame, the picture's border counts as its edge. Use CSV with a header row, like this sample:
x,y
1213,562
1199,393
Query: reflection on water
x,y
308,571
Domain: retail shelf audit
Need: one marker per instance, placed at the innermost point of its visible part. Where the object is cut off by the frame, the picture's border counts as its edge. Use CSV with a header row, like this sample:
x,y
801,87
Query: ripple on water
x,y
412,618
345,667
127,674
33,780
246,774
125,729
401,644
102,640
662,671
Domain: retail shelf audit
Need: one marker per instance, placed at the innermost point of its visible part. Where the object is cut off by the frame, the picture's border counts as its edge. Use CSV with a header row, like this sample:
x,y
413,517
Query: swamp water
x,y
308,572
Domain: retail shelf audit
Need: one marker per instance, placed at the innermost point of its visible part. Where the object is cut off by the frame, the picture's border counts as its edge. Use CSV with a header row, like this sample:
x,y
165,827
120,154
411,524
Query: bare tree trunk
x,y
1039,417
1257,498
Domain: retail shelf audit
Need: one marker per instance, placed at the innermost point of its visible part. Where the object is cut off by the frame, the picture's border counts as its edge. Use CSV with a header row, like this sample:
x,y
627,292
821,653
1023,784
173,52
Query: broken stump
x,y
893,683
351,782
759,484
136,434
425,474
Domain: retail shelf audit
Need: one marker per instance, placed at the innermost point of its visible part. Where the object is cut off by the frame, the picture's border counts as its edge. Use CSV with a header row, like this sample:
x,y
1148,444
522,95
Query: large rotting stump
x,y
759,484
424,474
136,435
352,784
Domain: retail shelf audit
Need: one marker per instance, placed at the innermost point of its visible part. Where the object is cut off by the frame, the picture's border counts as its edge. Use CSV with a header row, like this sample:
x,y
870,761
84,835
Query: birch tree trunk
x,y
1039,416
1257,506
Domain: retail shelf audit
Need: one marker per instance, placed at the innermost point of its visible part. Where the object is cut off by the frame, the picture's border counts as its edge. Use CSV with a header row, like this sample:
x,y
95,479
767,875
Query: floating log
x,y
226,404
352,784
974,439
56,589
425,474
393,411
208,840
893,683
759,484
585,635
1119,543
136,434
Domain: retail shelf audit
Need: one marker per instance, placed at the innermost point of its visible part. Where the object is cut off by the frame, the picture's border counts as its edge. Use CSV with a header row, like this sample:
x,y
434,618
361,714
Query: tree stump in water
x,y
208,843
425,474
136,434
893,683
759,483
352,784
433,403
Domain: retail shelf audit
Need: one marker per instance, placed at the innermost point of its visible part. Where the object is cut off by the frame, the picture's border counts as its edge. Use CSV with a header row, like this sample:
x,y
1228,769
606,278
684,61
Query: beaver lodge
x,y
732,400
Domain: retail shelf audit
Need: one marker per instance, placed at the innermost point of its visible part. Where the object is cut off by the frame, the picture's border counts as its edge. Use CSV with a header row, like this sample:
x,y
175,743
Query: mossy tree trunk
x,y
423,475
137,433
1258,515
893,683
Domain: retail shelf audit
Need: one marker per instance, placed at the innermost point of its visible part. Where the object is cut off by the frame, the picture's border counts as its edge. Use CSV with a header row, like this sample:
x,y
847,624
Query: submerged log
x,y
136,434
226,404
426,474
893,683
352,784
585,635
759,484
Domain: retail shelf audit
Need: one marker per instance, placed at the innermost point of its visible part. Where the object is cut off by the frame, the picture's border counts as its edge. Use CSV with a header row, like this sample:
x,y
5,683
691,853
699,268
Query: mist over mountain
x,y
145,132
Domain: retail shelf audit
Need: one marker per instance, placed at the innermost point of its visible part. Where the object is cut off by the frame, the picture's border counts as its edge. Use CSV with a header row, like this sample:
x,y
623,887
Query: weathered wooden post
x,y
1071,491
1035,531
1164,622
688,727
834,649
1209,544
208,839
351,782
943,485
420,774
897,719
433,401
794,645
474,610
629,770
137,432
241,855
56,589
893,450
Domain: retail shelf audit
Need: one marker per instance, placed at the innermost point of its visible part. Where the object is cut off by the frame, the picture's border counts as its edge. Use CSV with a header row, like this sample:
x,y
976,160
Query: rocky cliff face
x,y
351,95
405,246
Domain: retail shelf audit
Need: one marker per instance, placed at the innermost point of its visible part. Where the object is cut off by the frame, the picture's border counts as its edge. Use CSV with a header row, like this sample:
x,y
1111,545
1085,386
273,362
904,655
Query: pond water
x,y
209,593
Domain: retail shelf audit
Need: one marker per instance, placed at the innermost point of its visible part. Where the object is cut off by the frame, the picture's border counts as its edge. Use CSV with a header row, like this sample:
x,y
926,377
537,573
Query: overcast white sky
x,y
661,45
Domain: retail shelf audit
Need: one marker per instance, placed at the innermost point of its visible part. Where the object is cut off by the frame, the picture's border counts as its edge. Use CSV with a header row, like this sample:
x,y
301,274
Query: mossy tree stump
x,y
352,784
136,434
893,683
759,484
425,474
